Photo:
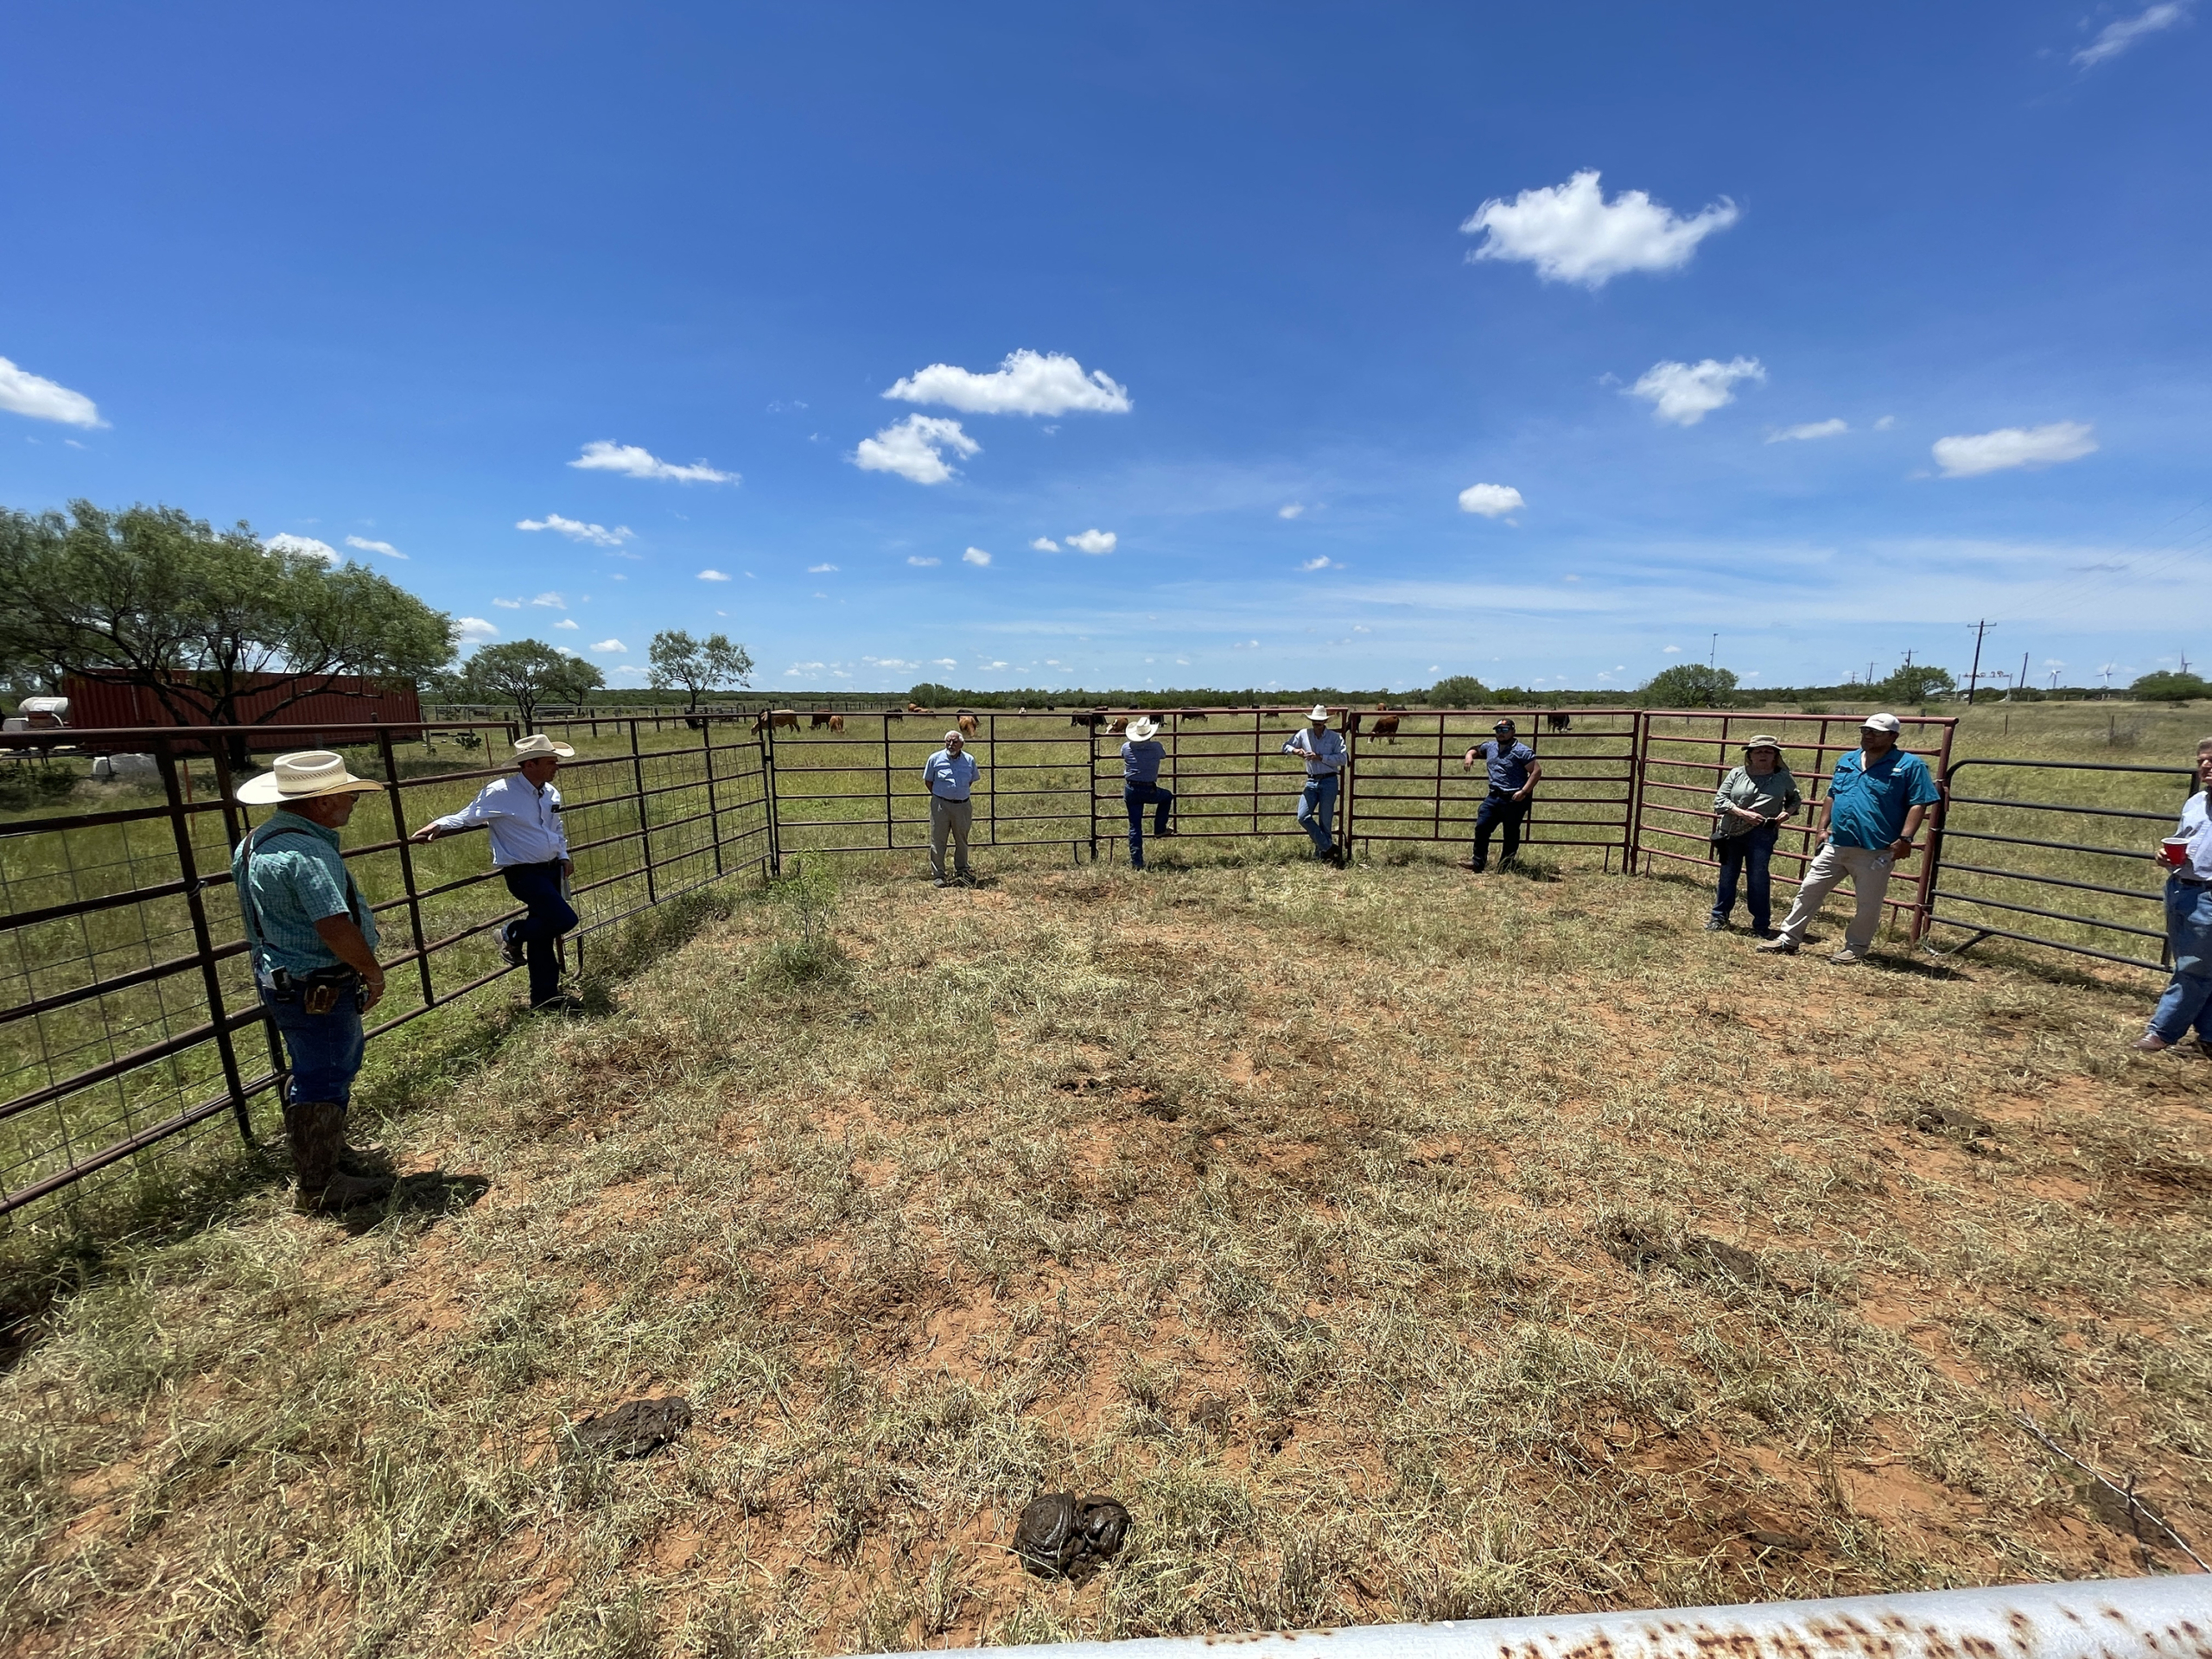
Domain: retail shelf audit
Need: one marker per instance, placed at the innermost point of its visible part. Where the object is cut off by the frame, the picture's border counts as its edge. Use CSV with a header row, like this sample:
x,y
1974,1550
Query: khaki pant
x,y
1870,880
951,818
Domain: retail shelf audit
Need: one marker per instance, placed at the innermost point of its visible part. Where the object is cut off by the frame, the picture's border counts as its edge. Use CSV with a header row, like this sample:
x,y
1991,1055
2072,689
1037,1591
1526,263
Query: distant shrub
x,y
40,785
2164,687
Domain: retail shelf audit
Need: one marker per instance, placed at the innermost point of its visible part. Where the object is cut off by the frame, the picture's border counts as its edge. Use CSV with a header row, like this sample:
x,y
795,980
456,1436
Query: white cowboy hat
x,y
302,777
1143,726
1320,711
538,746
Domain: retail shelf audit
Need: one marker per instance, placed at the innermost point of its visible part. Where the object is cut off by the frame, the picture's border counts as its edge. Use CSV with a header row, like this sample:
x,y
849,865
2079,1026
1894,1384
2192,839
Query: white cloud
x,y
368,546
819,569
611,644
1885,422
474,630
1046,544
284,541
712,576
1291,511
565,651
1491,500
2014,446
576,531
551,601
1811,429
916,558
632,462
943,661
1673,650
912,448
508,604
1320,564
1094,541
2116,37
974,556
1025,383
1685,393
23,392
568,622
1571,233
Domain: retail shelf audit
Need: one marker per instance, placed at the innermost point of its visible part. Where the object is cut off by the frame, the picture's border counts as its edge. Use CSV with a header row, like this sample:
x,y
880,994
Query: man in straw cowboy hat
x,y
1140,759
1326,759
950,775
313,943
529,848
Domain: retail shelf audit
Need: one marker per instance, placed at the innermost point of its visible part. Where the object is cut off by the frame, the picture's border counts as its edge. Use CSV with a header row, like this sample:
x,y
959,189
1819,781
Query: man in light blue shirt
x,y
1515,771
1326,759
530,846
950,776
1140,762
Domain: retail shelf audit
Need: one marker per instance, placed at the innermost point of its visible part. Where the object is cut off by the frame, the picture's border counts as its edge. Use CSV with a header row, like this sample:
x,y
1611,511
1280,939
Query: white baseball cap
x,y
1881,724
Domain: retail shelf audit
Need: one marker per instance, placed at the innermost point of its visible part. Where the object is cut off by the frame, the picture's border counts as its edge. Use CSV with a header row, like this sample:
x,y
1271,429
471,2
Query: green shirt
x,y
1776,793
298,880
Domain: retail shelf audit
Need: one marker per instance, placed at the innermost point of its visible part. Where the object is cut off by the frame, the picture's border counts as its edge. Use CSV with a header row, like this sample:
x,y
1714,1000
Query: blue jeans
x,y
2188,999
1499,809
538,886
1316,811
1136,797
1746,855
323,1050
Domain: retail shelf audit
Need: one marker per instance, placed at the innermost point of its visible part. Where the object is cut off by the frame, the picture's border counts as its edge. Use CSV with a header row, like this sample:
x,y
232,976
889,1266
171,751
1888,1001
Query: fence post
x,y
764,734
1639,756
210,982
645,825
1931,858
714,811
406,863
1343,825
888,840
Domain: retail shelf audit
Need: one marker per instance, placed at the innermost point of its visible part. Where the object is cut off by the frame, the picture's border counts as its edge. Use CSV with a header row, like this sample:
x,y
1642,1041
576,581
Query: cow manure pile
x,y
1061,1535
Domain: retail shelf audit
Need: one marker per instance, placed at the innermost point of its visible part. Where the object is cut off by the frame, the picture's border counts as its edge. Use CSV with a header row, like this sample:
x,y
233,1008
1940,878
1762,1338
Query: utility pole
x,y
1712,657
1973,674
2023,680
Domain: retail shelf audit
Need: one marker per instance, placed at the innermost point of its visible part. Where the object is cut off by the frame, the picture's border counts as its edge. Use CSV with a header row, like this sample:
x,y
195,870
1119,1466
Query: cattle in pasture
x,y
1118,726
969,726
1093,718
1558,722
771,718
817,720
1191,714
837,724
1352,720
1385,726
916,709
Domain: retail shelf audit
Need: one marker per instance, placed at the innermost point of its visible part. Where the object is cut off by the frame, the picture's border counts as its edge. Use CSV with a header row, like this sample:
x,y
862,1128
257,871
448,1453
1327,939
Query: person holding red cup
x,y
2187,854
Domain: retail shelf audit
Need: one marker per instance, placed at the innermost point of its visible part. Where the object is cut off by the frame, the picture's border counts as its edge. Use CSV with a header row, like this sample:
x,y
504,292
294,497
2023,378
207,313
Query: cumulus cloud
x,y
1491,500
611,644
1971,455
1320,564
712,576
474,630
2116,37
551,601
914,448
508,604
632,461
1685,393
1885,422
286,543
974,556
918,559
23,392
1027,383
1571,233
1811,429
819,569
568,622
1292,510
368,546
575,530
1094,541
1046,544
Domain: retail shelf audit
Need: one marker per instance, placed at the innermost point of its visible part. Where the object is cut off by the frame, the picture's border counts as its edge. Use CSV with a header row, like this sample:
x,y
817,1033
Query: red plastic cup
x,y
2174,850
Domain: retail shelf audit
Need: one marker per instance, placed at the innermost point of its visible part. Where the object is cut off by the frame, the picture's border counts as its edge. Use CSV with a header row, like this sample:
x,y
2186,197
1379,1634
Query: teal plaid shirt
x,y
298,880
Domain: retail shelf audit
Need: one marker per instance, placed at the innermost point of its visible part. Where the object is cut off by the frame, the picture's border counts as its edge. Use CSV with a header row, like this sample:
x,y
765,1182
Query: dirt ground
x,y
1396,1243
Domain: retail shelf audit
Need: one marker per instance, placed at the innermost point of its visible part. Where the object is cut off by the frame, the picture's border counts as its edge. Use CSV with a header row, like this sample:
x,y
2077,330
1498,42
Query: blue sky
x,y
1190,286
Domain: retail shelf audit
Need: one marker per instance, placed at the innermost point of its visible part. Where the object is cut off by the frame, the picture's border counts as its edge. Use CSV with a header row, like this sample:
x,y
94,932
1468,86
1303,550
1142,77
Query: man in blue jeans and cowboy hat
x,y
529,846
1325,758
313,943
1141,756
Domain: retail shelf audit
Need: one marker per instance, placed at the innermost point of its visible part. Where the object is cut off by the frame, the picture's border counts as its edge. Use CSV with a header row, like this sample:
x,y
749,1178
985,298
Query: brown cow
x,y
968,726
772,718
1191,714
1559,722
818,720
1092,718
916,709
1387,726
1117,726
837,724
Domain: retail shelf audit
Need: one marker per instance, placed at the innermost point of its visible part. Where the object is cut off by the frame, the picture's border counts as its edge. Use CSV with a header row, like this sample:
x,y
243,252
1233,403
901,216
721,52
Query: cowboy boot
x,y
317,1129
351,1160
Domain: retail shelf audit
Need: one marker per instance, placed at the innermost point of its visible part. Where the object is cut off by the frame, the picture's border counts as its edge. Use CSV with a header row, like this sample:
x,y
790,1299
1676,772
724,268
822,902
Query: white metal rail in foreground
x,y
2100,1618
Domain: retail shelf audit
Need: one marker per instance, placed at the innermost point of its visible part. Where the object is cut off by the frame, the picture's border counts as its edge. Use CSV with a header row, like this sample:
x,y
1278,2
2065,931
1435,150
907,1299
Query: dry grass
x,y
996,1194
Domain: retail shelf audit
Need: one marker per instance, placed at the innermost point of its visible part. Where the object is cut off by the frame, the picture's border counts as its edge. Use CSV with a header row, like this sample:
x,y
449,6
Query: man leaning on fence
x,y
951,775
314,945
1325,758
1515,771
2186,855
529,846
1874,805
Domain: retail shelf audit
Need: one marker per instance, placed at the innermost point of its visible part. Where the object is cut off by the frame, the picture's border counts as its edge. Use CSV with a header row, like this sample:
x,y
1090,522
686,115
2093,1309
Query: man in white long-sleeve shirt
x,y
1325,758
530,849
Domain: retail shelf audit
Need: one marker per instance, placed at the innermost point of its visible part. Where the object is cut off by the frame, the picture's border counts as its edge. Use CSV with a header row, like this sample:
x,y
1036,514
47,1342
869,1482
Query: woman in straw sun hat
x,y
529,848
1140,759
313,943
1748,811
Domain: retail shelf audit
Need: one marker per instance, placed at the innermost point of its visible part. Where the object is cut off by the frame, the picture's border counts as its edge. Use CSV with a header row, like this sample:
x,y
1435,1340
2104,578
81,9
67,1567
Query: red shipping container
x,y
106,702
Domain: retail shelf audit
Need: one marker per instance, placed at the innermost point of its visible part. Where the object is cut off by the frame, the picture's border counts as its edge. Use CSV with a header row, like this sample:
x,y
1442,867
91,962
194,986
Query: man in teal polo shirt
x,y
1875,802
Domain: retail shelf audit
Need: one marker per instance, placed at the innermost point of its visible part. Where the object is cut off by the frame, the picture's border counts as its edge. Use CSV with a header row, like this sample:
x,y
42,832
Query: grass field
x,y
1396,1245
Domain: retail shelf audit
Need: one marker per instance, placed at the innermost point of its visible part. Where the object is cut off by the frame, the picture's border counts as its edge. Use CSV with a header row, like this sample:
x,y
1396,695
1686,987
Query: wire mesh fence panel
x,y
128,1014
2060,854
1685,754
1226,768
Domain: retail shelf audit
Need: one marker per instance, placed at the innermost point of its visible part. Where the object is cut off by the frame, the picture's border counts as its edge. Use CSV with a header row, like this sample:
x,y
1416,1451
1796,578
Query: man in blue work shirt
x,y
1875,802
1141,760
313,943
1326,759
1514,772
529,848
951,775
